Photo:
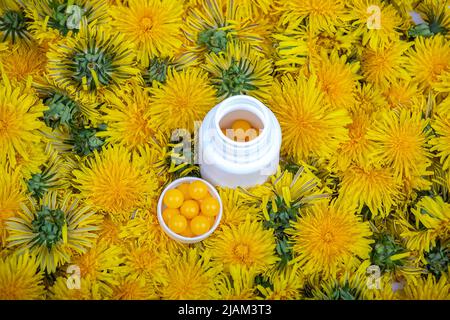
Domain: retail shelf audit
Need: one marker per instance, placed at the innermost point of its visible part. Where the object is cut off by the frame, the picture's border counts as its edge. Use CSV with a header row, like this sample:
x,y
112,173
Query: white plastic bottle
x,y
228,163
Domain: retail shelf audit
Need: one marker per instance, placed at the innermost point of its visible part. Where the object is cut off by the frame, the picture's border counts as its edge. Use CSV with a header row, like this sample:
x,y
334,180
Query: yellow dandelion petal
x,y
239,70
378,22
401,140
237,285
358,148
441,141
20,278
23,61
66,289
320,14
287,285
247,245
186,97
427,289
337,80
434,216
429,59
235,210
39,229
19,122
134,287
191,276
327,237
385,65
103,265
309,126
148,260
153,26
127,116
115,182
377,188
11,195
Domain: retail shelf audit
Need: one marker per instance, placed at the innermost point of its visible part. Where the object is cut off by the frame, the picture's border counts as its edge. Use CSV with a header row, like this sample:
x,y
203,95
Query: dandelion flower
x,y
20,278
377,188
54,230
95,58
437,14
310,127
13,22
358,148
148,260
191,276
66,106
110,231
378,22
11,195
320,14
127,117
133,287
115,182
24,61
237,285
441,142
247,245
327,237
102,265
235,210
429,59
153,26
403,95
434,215
19,121
286,285
52,20
368,100
346,287
239,71
88,290
186,97
427,289
385,65
253,6
213,24
401,140
337,80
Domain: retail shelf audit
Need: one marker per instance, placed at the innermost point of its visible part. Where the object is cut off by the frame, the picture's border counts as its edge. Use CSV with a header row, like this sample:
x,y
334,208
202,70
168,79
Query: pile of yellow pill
x,y
190,209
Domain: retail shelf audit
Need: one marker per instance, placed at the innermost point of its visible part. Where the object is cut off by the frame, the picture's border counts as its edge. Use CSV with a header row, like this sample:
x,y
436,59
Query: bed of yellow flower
x,y
91,91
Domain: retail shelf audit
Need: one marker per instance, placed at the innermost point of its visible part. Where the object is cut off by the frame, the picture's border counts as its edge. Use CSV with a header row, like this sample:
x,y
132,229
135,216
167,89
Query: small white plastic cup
x,y
161,208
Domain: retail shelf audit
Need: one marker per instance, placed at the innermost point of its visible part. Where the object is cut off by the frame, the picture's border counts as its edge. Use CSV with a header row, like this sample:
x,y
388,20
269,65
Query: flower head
x,y
429,59
53,230
115,181
20,278
309,125
153,26
186,97
95,58
11,195
127,117
247,245
239,71
20,111
401,140
191,275
327,237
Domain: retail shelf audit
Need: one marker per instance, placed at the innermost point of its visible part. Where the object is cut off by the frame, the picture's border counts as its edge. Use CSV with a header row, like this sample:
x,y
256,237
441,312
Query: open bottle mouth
x,y
241,108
